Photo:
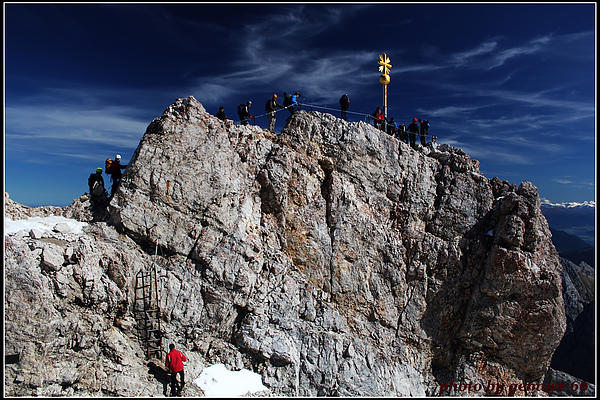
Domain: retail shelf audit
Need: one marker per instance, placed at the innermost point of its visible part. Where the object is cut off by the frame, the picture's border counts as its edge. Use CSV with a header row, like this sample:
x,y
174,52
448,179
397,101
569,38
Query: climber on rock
x,y
113,168
174,365
98,193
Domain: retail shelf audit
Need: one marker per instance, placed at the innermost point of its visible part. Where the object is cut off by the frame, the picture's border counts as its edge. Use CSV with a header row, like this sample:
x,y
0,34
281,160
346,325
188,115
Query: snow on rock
x,y
218,381
44,224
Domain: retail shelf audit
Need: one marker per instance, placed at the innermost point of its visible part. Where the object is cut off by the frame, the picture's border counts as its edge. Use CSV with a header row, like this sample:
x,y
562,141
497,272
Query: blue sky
x,y
513,85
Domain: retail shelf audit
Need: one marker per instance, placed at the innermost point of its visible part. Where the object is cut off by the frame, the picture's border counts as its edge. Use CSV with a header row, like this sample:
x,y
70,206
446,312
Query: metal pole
x,y
385,103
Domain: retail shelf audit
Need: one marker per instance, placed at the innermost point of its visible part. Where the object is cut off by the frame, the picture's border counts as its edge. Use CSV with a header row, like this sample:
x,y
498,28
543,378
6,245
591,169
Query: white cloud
x,y
450,111
72,125
273,53
569,180
460,59
531,47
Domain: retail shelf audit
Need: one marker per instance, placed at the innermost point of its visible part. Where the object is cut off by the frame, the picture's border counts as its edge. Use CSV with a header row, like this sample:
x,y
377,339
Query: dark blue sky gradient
x,y
513,85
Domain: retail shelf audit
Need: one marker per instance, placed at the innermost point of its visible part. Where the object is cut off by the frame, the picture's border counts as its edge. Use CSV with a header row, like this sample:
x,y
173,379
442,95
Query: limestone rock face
x,y
332,259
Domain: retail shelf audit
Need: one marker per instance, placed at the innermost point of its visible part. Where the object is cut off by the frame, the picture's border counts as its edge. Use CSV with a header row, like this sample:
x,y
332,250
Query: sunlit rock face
x,y
332,259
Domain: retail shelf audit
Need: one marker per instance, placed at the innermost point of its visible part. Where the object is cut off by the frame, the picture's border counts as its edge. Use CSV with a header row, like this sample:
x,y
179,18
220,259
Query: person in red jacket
x,y
174,364
379,119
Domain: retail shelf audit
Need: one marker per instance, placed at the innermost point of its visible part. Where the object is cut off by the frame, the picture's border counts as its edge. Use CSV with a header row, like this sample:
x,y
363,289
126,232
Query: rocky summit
x,y
332,259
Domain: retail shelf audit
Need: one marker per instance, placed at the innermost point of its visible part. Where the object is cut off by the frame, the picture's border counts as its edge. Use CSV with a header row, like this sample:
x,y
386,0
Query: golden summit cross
x,y
384,64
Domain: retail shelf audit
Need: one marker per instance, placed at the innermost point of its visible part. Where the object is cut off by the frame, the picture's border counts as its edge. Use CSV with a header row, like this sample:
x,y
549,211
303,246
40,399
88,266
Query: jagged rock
x,y
81,209
573,386
332,259
578,283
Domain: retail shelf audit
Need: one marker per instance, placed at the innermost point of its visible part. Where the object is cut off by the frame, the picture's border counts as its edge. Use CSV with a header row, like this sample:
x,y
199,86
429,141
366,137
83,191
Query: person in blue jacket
x,y
290,102
295,104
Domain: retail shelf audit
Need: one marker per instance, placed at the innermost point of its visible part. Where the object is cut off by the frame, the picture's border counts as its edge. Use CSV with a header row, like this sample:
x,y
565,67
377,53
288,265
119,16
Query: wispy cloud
x,y
73,128
274,54
531,47
450,111
462,58
571,180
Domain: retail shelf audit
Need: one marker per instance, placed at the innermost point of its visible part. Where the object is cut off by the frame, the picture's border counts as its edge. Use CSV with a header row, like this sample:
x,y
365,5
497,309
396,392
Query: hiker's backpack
x,y
344,100
288,100
241,109
98,189
269,106
426,124
108,166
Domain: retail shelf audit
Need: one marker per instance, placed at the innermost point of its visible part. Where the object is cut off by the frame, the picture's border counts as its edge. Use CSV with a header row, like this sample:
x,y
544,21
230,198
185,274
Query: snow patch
x,y
218,381
43,224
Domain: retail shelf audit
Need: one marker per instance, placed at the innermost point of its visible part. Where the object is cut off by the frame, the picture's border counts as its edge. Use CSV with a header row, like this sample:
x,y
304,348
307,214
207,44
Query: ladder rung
x,y
146,284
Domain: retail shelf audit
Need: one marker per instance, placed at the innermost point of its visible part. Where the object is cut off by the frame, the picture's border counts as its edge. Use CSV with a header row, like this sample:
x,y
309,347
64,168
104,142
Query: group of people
x,y
290,102
405,134
99,194
401,132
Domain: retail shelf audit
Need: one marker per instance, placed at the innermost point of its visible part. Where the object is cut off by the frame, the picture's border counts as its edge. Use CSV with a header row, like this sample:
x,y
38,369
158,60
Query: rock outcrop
x,y
332,259
578,282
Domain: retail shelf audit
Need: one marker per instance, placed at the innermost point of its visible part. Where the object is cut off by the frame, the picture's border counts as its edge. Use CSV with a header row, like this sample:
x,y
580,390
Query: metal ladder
x,y
147,311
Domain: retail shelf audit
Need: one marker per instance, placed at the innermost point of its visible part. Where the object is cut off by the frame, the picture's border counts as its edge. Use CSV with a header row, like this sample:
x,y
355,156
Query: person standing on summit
x,y
378,119
244,113
402,136
271,108
295,104
413,129
424,131
221,114
392,128
344,104
290,101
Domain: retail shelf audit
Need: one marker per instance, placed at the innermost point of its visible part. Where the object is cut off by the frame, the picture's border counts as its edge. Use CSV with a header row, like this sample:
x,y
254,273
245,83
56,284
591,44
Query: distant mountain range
x,y
572,204
573,248
576,219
